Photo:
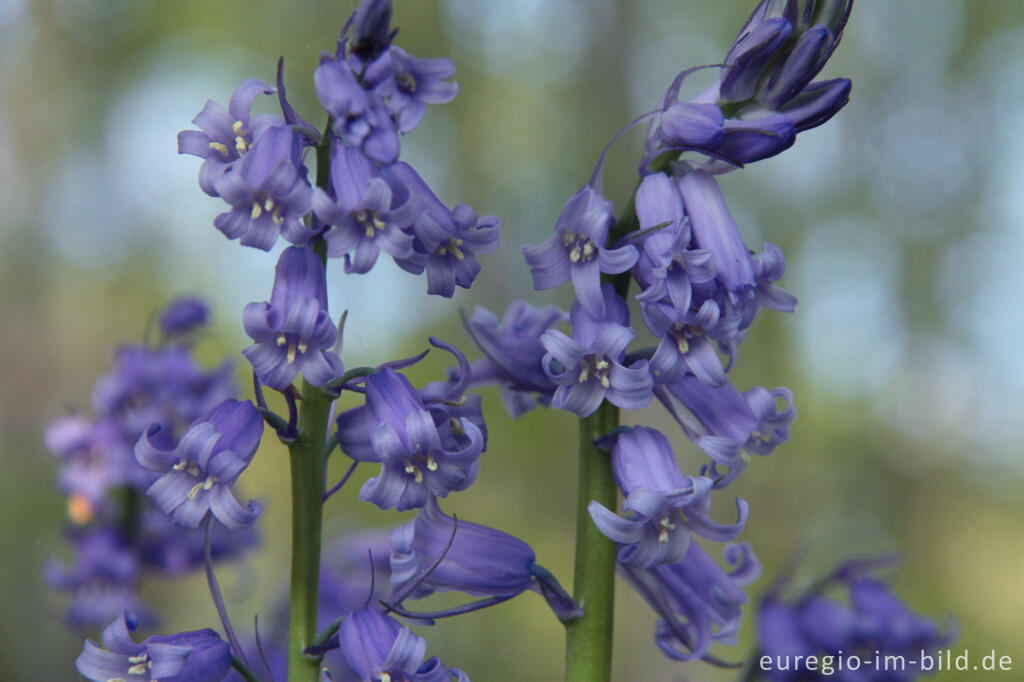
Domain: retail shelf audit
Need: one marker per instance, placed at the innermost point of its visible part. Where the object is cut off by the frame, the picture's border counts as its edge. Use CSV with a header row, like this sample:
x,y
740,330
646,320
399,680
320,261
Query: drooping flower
x,y
481,561
588,367
578,251
662,505
293,332
371,29
513,353
196,656
361,211
268,191
198,473
409,84
361,117
225,135
184,315
697,601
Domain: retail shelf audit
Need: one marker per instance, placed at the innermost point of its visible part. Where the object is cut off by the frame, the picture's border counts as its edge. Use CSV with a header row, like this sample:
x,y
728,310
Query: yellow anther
x,y
588,250
291,353
268,204
257,210
605,382
568,238
683,344
237,128
179,465
385,677
302,346
139,669
456,426
369,232
575,254
663,536
453,248
220,147
440,251
194,491
208,483
380,224
277,217
281,340
602,364
141,658
431,462
584,373
241,145
193,469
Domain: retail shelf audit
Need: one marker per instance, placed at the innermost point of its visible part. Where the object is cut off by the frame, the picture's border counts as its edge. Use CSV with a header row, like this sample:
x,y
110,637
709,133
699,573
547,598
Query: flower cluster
x,y
157,393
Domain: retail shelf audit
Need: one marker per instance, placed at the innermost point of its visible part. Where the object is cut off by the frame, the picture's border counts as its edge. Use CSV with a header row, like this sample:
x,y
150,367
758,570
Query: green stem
x,y
589,639
308,454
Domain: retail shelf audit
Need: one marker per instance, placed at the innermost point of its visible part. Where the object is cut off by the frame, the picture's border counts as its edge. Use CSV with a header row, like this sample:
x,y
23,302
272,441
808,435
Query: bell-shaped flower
x,y
371,29
225,135
513,353
481,561
379,648
360,117
749,55
293,332
196,656
361,211
578,251
684,343
409,84
698,602
197,475
447,242
183,316
588,367
268,191
662,505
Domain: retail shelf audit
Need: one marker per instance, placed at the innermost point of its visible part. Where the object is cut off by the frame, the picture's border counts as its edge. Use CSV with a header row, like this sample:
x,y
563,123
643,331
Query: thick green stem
x,y
589,639
307,464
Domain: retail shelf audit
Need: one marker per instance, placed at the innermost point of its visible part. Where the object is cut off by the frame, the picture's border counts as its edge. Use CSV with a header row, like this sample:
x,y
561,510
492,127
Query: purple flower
x,y
410,84
730,422
378,647
362,213
174,550
268,191
198,473
662,505
481,561
226,135
698,602
447,242
588,367
196,656
684,344
577,251
361,118
423,448
371,24
184,315
513,353
95,458
293,332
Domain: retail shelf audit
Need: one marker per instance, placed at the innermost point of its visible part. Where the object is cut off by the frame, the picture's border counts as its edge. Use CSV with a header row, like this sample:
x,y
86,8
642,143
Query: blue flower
x,y
663,506
361,118
196,656
409,84
198,473
578,251
293,332
588,367
183,316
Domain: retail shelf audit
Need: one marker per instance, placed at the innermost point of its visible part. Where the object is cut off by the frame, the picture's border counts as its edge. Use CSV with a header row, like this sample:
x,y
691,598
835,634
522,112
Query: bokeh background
x,y
901,220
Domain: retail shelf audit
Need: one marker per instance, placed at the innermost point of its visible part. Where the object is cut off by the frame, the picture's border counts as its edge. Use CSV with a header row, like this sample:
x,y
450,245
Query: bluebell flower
x,y
184,315
371,29
685,342
196,656
481,561
730,423
293,332
698,602
361,211
95,459
198,473
423,447
361,118
662,506
447,241
513,353
268,191
869,617
173,550
409,84
587,368
225,135
378,648
578,251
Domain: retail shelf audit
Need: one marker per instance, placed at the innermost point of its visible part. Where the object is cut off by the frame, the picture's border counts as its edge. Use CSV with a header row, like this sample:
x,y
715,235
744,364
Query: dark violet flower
x,y
361,118
226,135
268,191
379,648
447,242
750,53
698,602
513,353
481,561
663,507
730,423
422,448
578,251
411,84
196,656
872,619
198,473
362,214
184,315
588,367
293,332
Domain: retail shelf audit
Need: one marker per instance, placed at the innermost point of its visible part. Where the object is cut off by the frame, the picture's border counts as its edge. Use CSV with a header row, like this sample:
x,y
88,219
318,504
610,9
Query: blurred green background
x,y
900,219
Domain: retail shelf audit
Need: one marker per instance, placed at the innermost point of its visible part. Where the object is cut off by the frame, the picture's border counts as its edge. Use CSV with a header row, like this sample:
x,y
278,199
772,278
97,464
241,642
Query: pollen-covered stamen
x,y
413,471
208,483
581,247
405,82
179,465
456,426
369,221
221,148
595,367
666,525
193,469
431,462
257,210
682,333
241,146
451,245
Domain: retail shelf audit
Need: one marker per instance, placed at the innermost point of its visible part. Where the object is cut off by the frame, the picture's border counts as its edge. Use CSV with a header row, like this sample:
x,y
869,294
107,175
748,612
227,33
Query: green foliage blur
x,y
901,220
